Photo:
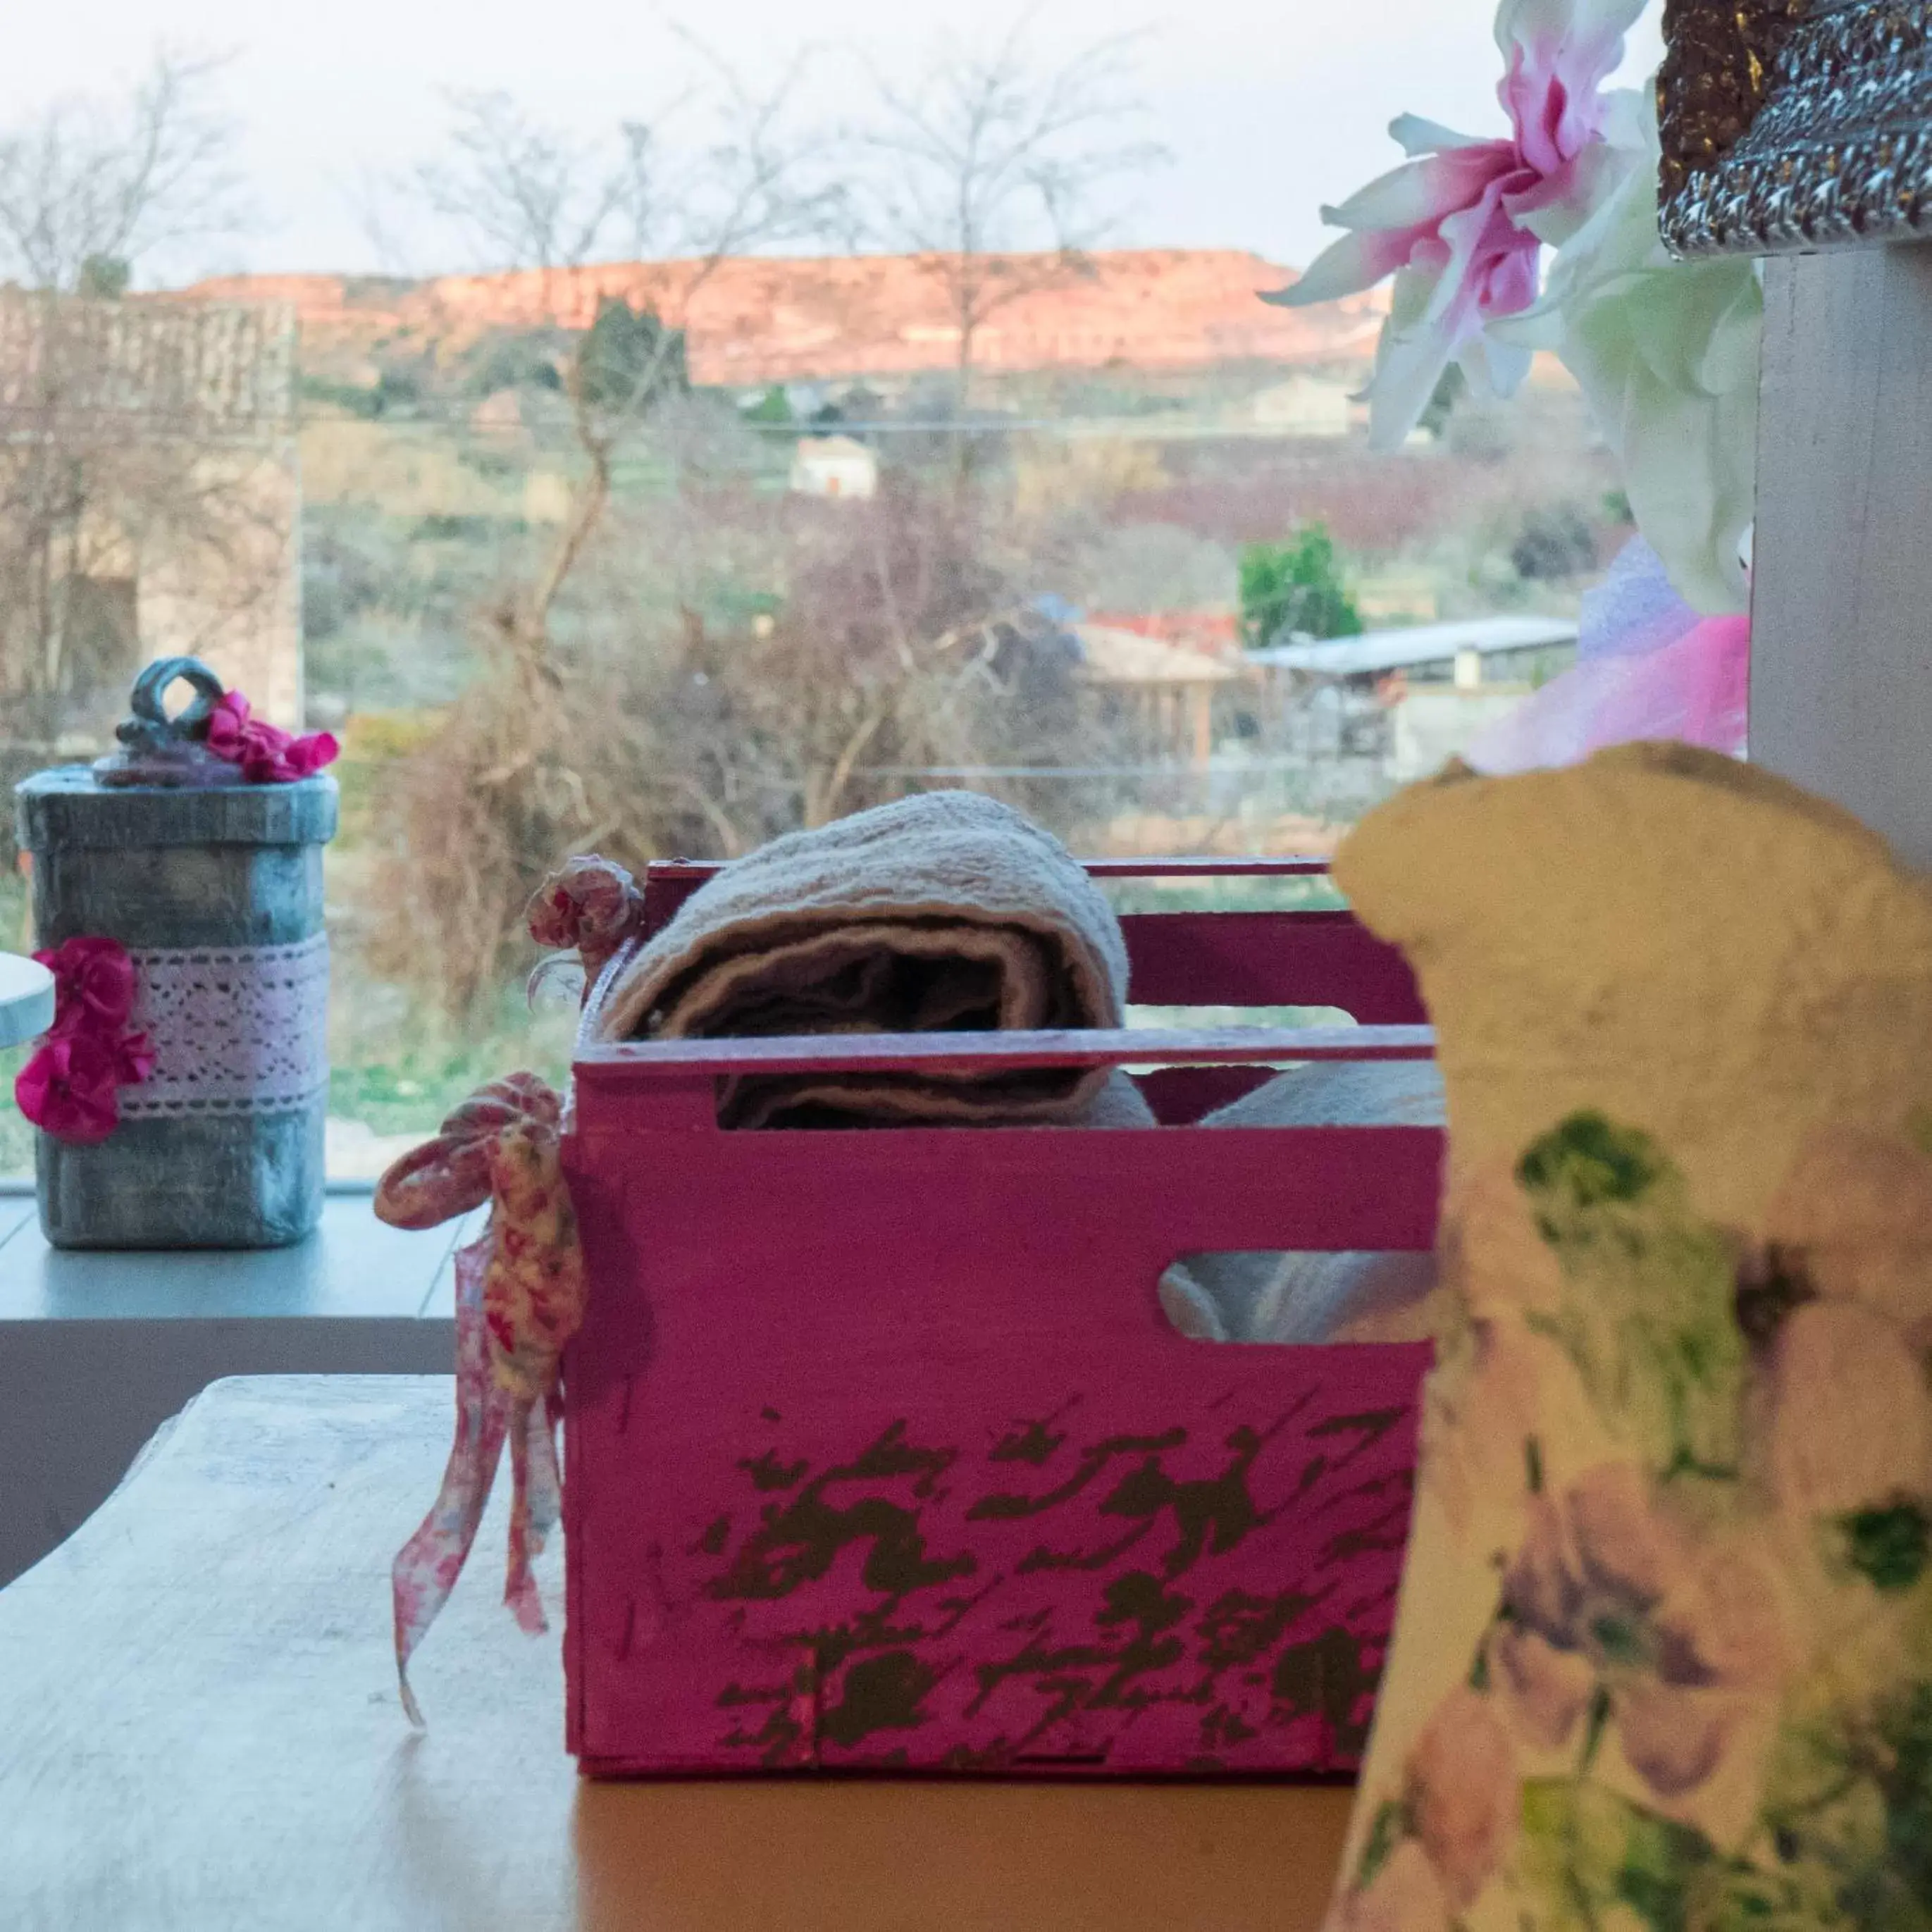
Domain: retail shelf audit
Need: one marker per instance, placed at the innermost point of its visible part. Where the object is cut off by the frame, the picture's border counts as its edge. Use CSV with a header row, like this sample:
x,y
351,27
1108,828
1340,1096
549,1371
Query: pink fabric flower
x,y
519,1300
1462,225
588,906
94,984
267,754
68,1088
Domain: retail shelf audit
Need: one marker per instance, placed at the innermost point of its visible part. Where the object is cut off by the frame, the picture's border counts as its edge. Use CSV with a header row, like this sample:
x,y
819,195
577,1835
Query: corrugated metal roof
x,y
1420,644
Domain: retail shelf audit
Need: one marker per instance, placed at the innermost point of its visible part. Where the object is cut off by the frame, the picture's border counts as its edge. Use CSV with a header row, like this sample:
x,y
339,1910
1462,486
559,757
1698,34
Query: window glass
x,y
650,439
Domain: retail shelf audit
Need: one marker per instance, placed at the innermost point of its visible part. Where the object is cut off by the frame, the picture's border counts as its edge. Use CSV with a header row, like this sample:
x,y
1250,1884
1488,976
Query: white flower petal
x,y
1344,268
1687,459
1417,136
1423,191
1596,177
1630,118
1406,374
1505,364
1554,22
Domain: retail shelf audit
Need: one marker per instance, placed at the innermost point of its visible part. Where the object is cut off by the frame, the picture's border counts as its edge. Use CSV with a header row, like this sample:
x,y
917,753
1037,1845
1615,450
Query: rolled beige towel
x,y
948,912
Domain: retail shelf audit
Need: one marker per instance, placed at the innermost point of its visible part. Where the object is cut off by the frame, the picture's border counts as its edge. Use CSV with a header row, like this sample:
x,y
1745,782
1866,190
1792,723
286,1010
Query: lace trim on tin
x,y
239,1030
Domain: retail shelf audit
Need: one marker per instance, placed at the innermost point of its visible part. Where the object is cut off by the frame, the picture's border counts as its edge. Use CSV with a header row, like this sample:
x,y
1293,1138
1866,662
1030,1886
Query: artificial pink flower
x,y
68,1088
267,754
1462,225
94,985
133,1059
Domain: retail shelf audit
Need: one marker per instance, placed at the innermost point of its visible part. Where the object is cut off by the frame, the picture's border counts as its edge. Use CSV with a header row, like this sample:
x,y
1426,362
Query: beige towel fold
x,y
948,912
1316,1297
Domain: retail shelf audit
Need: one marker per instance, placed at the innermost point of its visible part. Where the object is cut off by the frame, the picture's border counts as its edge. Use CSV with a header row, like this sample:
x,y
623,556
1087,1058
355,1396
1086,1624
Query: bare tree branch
x,y
90,183
528,196
997,170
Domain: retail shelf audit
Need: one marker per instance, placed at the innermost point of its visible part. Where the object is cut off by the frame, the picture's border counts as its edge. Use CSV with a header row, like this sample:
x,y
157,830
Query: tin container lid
x,y
164,787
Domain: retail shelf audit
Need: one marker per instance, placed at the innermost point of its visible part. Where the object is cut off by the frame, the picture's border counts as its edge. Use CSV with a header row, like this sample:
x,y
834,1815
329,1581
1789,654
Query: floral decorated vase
x,y
1663,1656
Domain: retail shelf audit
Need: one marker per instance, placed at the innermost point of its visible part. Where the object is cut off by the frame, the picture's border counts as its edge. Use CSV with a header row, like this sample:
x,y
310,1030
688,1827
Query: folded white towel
x,y
1362,1296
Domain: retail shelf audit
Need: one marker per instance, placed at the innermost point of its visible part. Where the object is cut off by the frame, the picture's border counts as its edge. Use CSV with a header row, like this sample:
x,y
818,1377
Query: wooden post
x,y
1841,631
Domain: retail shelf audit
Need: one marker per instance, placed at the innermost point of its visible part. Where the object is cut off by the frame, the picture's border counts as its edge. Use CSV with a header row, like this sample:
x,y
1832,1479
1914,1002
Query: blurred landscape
x,y
665,553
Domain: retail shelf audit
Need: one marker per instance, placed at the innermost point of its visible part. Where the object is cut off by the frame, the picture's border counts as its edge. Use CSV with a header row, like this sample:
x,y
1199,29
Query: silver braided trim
x,y
1841,150
240,1030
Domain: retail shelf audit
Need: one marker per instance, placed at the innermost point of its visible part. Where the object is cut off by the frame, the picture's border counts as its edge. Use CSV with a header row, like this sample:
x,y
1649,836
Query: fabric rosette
x,y
266,754
71,1087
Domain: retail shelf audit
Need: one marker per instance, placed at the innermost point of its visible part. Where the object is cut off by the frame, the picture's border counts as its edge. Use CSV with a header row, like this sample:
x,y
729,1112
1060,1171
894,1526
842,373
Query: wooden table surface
x,y
198,1729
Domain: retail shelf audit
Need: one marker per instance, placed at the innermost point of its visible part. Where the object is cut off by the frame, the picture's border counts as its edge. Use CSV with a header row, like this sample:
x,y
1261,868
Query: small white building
x,y
1304,405
834,466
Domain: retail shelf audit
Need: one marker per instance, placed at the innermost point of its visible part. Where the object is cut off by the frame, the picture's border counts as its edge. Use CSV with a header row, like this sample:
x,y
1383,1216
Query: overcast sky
x,y
1267,110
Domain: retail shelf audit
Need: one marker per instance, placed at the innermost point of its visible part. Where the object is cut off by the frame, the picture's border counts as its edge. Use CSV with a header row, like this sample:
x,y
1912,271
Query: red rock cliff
x,y
754,319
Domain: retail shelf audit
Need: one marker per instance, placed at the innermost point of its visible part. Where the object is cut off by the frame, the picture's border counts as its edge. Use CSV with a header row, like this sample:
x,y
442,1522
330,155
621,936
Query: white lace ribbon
x,y
234,1030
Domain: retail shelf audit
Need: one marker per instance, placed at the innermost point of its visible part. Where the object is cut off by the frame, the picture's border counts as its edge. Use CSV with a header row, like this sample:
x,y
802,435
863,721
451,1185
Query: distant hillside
x,y
755,320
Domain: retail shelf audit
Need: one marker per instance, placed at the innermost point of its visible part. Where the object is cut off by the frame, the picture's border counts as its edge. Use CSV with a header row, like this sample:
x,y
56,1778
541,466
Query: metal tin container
x,y
215,887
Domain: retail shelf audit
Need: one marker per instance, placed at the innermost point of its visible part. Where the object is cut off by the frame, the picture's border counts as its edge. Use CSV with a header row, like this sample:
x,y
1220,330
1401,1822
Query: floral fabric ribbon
x,y
71,1087
519,1300
519,1290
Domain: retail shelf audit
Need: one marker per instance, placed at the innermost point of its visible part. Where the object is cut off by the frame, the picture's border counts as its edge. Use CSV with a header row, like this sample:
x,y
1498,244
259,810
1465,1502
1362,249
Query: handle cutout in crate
x,y
1267,1295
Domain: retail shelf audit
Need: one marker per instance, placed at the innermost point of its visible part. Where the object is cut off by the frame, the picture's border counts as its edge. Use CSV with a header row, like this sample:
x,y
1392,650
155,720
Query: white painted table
x,y
199,1732
26,999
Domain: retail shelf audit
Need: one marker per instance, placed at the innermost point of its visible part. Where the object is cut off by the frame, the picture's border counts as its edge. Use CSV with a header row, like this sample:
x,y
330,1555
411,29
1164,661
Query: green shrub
x,y
1295,587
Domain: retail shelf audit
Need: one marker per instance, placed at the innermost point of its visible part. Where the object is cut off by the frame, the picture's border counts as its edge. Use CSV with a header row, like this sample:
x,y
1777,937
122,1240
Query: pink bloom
x,y
1608,1596
1647,667
1461,1794
1462,225
1849,1415
267,754
68,1088
133,1059
94,985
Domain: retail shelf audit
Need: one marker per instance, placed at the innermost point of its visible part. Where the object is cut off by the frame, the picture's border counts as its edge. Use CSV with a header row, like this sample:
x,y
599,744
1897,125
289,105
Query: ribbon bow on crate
x,y
519,1289
519,1299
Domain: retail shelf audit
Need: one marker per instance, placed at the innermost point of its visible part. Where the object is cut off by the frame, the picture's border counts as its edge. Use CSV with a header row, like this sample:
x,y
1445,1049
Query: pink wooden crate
x,y
882,1454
